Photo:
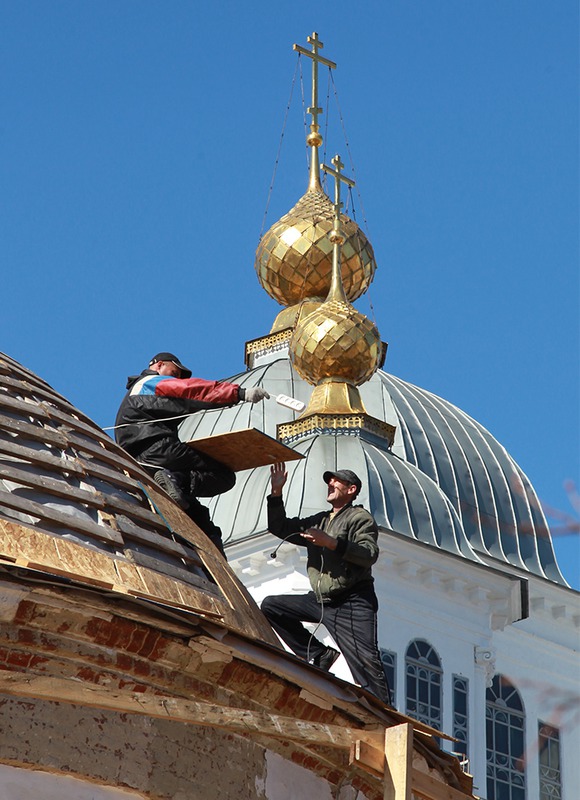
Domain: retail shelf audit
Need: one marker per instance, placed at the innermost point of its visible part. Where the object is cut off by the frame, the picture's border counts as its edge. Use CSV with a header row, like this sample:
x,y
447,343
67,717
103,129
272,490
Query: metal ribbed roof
x,y
446,481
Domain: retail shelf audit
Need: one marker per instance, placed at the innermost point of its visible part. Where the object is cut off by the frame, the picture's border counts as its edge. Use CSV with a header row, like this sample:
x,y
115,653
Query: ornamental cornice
x,y
402,560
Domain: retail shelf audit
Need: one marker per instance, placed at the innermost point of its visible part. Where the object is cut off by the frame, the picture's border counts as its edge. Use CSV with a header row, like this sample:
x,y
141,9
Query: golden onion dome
x,y
294,258
336,342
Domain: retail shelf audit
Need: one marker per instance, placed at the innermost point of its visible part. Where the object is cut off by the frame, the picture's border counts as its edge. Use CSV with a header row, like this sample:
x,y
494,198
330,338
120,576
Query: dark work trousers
x,y
198,475
206,477
352,623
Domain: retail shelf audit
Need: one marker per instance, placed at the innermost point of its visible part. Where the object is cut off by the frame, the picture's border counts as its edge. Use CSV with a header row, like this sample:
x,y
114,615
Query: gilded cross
x,y
338,179
336,291
317,59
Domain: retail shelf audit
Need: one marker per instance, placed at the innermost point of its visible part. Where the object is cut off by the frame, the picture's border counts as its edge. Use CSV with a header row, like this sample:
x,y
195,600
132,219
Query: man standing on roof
x,y
147,423
342,547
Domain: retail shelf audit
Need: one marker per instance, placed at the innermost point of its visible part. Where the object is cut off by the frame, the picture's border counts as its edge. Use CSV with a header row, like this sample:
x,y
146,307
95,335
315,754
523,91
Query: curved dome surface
x,y
75,506
445,482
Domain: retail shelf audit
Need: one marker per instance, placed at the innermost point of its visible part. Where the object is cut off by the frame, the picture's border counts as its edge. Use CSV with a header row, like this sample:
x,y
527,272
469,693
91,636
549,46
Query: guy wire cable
x,y
279,150
353,169
304,121
349,153
325,138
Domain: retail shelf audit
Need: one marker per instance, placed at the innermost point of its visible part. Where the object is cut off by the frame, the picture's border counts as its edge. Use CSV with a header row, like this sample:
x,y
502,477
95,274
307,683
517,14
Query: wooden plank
x,y
48,410
36,410
367,757
141,513
398,762
111,454
169,568
96,499
156,541
49,553
113,476
28,387
74,466
245,449
103,533
431,789
73,420
99,500
58,488
238,720
9,367
49,462
37,433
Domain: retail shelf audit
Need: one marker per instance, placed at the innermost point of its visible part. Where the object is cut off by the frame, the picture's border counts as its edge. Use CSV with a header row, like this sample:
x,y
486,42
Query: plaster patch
x,y
9,601
26,784
287,781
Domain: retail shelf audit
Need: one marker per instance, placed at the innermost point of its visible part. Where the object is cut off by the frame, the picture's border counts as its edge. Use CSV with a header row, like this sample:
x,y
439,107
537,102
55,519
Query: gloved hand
x,y
254,394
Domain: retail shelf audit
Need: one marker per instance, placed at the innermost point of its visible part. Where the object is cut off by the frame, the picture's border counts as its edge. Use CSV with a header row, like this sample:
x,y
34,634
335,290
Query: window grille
x,y
505,723
461,716
549,759
423,683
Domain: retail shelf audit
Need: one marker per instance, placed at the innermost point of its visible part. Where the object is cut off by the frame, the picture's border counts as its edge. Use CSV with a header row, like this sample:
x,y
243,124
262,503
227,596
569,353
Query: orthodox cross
x,y
336,237
317,59
338,179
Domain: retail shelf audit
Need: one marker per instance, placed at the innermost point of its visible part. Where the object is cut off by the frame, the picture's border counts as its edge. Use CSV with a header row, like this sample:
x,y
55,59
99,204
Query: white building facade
x,y
478,630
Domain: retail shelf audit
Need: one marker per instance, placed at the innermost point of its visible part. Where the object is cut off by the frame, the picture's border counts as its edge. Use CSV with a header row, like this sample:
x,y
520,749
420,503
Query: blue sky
x,y
138,141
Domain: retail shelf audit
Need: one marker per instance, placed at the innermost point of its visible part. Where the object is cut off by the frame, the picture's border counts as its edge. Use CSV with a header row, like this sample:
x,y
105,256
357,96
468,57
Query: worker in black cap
x,y
147,423
342,547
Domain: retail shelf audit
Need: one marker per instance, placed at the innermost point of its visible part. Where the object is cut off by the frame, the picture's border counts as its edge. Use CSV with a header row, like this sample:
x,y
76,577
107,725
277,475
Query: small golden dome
x,y
294,258
336,341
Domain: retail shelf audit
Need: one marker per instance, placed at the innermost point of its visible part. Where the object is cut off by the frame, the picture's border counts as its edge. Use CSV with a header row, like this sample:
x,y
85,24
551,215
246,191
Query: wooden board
x,y
245,449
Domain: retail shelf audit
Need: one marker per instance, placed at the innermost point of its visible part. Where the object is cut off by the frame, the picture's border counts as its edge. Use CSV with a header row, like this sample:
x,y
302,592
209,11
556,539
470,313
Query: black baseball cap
x,y
185,372
346,475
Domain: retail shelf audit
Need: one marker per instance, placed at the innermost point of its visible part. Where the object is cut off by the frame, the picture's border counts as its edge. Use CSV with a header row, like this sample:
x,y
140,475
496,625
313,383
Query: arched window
x,y
423,683
505,719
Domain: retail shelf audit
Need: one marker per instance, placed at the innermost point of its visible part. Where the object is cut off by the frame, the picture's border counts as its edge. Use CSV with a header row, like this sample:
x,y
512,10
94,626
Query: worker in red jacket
x,y
147,424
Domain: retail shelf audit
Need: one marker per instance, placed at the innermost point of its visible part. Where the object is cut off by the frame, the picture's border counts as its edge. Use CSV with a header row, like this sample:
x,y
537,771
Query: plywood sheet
x,y
245,449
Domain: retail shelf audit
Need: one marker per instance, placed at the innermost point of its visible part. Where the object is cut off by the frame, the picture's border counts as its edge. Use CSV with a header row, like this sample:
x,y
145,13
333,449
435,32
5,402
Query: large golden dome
x,y
294,258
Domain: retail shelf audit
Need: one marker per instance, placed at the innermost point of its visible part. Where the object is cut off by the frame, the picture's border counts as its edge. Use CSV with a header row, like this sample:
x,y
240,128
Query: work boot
x,y
326,659
168,481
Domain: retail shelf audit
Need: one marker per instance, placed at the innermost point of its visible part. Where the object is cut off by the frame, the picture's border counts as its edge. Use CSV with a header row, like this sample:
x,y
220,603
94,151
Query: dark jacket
x,y
332,573
161,401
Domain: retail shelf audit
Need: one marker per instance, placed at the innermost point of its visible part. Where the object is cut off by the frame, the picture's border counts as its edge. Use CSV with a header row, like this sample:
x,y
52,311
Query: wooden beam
x,y
368,757
430,788
398,761
176,709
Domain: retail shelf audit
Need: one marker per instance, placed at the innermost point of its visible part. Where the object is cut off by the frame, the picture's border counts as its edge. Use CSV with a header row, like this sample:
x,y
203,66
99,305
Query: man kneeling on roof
x,y
147,424
342,547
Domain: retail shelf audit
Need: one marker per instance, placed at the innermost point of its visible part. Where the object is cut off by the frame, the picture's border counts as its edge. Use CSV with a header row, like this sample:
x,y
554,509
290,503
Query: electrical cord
x,y
319,598
147,421
274,553
316,592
